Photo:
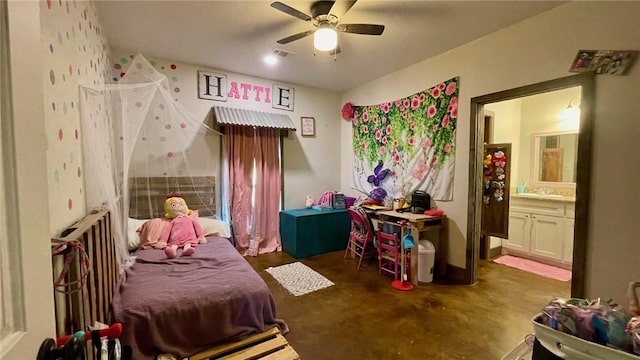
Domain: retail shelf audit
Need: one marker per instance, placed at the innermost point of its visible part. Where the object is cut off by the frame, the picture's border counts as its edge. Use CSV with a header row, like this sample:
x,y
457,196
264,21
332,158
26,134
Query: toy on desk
x,y
308,201
378,194
399,203
368,202
325,199
434,212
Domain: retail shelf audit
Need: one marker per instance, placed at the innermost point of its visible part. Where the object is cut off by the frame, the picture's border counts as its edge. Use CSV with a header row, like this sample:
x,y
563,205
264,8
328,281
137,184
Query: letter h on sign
x,y
282,97
212,86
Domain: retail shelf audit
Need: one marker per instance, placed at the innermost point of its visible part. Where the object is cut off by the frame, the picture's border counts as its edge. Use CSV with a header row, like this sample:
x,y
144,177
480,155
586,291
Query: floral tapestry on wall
x,y
408,144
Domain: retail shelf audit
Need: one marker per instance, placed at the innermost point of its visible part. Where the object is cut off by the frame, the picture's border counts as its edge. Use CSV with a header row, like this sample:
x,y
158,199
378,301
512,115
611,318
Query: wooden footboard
x,y
81,306
268,345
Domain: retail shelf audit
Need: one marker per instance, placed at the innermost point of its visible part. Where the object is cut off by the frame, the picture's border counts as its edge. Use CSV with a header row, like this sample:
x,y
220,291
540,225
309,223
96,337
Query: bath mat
x,y
298,278
534,267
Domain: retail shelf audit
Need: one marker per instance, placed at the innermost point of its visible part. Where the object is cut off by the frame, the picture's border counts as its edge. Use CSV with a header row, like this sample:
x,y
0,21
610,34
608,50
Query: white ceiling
x,y
235,35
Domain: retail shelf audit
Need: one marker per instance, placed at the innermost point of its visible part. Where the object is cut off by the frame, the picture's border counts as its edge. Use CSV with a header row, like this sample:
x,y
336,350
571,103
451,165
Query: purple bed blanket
x,y
186,304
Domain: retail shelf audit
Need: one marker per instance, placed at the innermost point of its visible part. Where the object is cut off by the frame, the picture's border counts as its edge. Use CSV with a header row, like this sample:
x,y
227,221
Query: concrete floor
x,y
363,317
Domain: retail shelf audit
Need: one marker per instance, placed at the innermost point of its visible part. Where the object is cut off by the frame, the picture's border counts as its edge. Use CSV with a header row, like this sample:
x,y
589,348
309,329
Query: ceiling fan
x,y
325,20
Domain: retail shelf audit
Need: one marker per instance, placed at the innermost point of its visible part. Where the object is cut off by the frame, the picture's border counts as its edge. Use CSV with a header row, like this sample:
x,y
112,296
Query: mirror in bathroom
x,y
554,158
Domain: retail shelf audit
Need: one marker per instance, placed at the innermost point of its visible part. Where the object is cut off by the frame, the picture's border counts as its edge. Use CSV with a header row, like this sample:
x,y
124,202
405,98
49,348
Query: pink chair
x,y
361,235
389,252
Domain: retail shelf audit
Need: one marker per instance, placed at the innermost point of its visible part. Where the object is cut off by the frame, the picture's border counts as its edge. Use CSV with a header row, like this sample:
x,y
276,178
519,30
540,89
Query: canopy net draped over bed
x,y
137,144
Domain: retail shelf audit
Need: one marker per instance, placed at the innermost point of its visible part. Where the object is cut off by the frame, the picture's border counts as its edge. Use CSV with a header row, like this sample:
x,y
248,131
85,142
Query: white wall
x,y
310,163
539,49
506,129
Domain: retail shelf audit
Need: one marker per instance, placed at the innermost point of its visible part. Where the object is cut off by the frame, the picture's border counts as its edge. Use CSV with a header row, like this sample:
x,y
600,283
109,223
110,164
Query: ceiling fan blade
x,y
340,7
295,37
291,11
365,29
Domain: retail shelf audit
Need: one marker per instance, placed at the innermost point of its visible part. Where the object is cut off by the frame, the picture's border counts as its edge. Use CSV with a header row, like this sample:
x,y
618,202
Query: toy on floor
x,y
183,231
407,240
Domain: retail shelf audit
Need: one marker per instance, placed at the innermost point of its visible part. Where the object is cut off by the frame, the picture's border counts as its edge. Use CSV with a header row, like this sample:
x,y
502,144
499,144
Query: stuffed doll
x,y
183,231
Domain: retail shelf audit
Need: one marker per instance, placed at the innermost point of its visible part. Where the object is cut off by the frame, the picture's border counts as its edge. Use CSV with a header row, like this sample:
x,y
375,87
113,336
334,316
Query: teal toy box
x,y
309,232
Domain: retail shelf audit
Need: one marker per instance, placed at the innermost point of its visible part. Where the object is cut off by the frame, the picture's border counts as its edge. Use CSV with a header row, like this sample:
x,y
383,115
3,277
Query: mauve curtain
x,y
267,205
240,147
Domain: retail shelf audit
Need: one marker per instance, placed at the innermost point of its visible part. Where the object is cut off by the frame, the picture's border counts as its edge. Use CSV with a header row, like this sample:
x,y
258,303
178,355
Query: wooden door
x,y
495,186
26,286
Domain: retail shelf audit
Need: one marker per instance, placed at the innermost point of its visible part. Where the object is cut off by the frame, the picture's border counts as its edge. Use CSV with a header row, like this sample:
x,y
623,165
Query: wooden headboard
x,y
147,195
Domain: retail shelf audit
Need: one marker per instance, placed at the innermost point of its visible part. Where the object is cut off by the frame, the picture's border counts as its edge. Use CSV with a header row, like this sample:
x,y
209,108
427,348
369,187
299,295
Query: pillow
x,y
133,239
151,230
215,227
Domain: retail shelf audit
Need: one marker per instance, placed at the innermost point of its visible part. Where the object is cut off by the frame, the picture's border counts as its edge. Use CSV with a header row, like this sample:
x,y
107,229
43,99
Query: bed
x,y
183,305
179,306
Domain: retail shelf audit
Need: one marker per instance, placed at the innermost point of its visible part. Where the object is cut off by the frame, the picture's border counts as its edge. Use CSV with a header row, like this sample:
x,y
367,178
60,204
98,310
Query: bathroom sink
x,y
540,196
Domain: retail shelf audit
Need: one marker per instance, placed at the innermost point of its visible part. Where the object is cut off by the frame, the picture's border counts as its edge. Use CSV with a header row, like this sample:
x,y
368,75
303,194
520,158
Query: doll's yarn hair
x,y
168,201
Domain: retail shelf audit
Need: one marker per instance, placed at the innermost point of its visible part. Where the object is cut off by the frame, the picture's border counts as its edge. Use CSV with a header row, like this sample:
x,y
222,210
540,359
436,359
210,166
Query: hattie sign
x,y
214,86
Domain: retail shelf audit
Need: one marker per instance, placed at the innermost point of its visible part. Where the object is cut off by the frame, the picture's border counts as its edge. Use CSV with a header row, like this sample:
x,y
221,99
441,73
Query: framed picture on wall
x,y
308,126
604,62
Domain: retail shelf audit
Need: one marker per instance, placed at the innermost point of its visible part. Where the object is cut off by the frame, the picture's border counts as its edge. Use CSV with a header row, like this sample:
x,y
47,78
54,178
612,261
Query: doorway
x,y
582,170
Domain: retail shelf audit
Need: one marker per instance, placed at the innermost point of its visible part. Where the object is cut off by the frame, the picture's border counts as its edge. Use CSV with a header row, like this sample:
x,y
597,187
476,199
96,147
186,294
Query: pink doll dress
x,y
181,231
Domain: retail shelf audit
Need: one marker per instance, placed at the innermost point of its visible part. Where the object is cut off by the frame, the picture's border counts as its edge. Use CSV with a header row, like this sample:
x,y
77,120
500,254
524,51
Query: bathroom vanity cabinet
x,y
541,228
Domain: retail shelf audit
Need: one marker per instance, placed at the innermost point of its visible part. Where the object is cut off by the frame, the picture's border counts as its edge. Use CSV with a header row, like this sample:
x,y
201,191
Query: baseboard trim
x,y
456,275
495,252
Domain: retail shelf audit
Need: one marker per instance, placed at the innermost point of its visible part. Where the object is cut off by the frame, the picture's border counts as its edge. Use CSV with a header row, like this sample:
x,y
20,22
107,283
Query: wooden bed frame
x,y
92,303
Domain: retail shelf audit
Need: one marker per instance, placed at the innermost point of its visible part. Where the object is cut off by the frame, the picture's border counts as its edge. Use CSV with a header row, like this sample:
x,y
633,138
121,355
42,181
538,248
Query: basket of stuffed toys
x,y
596,329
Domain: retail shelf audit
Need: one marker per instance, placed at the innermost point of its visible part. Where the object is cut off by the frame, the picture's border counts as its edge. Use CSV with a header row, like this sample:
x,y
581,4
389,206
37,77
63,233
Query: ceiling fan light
x,y
325,38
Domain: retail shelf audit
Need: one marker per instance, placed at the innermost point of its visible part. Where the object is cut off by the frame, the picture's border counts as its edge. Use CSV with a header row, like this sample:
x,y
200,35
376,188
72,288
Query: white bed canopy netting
x,y
137,140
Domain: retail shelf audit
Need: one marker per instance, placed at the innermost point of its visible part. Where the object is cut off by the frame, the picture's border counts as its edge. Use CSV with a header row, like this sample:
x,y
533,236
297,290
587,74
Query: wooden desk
x,y
421,223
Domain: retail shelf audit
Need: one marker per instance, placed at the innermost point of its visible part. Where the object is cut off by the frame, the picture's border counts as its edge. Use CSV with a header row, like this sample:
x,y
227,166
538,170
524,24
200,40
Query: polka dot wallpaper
x,y
75,53
171,70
